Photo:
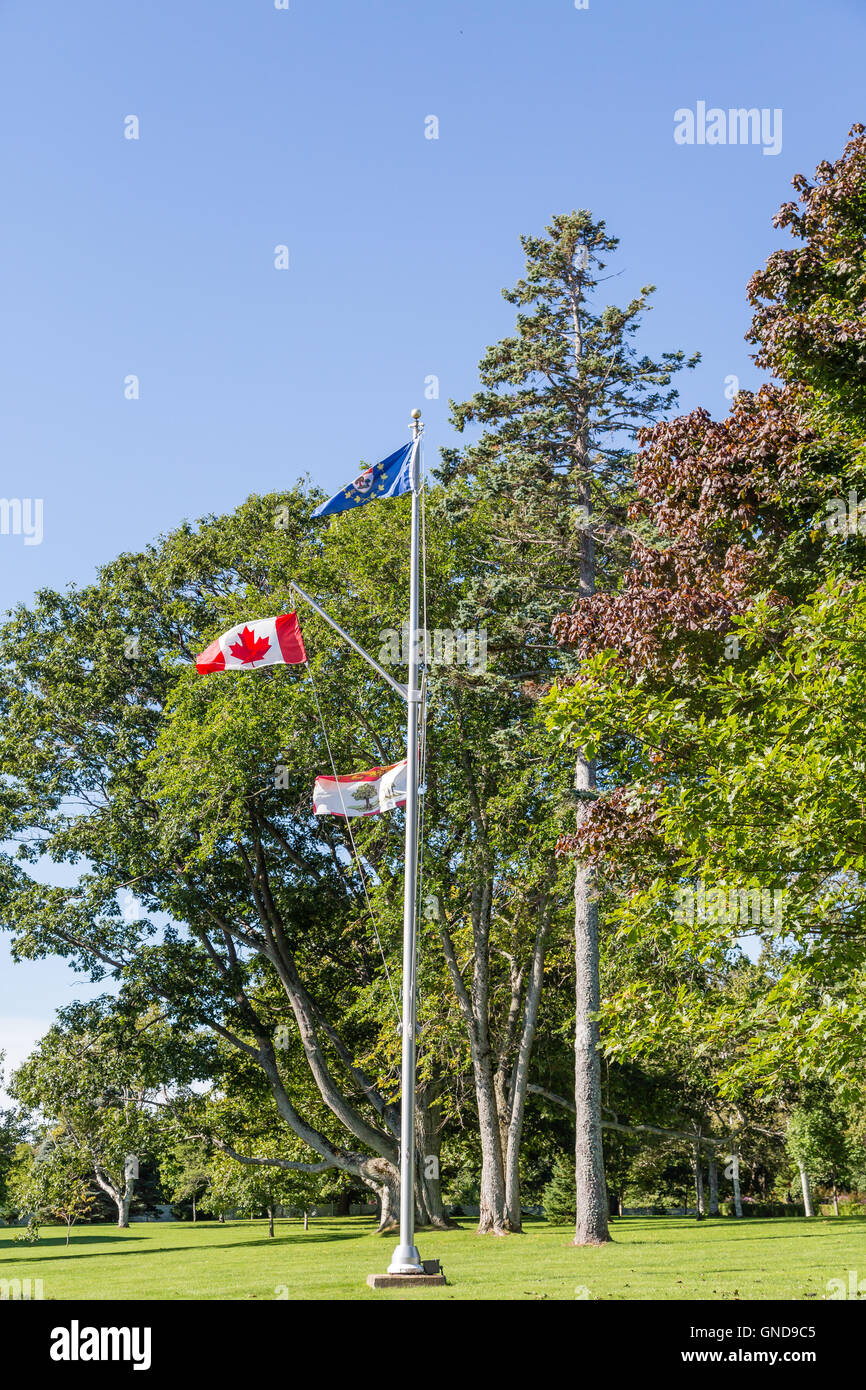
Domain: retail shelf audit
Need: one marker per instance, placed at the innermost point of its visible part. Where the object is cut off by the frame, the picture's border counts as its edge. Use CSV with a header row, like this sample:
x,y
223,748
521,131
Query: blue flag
x,y
390,478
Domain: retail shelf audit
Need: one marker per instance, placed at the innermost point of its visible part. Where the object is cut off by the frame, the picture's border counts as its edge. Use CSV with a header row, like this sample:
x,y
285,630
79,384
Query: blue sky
x,y
305,127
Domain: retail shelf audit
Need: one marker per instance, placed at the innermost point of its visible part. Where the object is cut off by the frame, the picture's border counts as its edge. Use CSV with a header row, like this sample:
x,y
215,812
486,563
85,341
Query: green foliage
x,y
816,1139
52,1181
720,683
746,782
92,1080
559,1198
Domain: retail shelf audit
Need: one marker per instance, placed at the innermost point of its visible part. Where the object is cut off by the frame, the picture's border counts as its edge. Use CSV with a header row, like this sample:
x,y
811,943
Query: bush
x,y
765,1209
845,1209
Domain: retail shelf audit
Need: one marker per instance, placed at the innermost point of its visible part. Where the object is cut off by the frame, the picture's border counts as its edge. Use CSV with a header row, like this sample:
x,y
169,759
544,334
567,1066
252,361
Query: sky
x,y
158,362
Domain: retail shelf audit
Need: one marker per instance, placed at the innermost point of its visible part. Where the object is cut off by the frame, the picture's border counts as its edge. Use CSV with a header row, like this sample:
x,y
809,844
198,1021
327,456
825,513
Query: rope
x,y
423,483
422,731
357,856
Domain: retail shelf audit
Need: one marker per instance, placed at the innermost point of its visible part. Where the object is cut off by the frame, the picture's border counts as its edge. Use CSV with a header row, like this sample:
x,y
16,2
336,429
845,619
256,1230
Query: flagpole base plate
x,y
405,1281
405,1272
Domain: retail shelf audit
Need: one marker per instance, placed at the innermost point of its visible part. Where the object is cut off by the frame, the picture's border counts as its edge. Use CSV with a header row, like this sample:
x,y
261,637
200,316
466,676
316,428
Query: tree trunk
x,y
714,1183
591,1227
193,1208
700,1205
428,1144
306,1219
807,1190
270,1218
735,1179
835,1199
492,1215
121,1199
389,1202
520,1077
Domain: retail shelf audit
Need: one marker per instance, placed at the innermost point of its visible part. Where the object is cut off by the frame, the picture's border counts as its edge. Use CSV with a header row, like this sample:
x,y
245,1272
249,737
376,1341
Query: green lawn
x,y
651,1258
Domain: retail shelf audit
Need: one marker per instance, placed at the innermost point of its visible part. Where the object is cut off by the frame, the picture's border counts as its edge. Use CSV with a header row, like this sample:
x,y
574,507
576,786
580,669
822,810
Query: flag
x,y
390,478
263,642
361,793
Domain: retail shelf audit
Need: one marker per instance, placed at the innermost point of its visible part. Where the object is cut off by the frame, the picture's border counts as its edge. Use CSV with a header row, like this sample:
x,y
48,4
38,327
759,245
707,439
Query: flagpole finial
x,y
416,414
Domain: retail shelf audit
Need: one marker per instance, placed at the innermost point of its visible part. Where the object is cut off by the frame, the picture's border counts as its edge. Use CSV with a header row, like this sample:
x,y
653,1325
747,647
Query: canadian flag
x,y
361,793
263,642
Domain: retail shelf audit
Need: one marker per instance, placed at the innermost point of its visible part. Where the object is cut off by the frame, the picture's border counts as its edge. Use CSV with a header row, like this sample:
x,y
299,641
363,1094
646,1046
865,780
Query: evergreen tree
x,y
559,1194
560,404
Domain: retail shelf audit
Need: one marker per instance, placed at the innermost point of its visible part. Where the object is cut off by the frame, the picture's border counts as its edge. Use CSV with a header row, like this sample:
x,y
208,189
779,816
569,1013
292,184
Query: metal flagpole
x,y
406,1259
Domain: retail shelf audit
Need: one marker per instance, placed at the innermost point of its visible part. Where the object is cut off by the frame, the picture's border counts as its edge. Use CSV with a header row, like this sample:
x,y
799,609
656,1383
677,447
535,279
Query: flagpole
x,y
406,1259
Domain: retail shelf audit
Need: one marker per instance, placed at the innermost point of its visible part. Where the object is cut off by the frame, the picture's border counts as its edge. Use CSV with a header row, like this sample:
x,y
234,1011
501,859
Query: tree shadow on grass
x,y
296,1239
9,1248
804,1225
648,1235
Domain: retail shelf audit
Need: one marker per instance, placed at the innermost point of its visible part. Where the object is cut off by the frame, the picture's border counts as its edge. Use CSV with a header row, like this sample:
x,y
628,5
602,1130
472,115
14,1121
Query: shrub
x,y
765,1209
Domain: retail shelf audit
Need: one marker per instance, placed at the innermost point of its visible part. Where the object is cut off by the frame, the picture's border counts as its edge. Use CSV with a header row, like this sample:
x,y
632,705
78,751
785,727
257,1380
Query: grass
x,y
650,1258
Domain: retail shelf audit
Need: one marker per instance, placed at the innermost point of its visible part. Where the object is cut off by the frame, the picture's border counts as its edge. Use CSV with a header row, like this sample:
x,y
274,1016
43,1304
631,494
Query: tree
x,y
52,1181
560,404
815,1139
809,300
85,1083
170,795
11,1135
197,792
560,1206
734,648
186,1171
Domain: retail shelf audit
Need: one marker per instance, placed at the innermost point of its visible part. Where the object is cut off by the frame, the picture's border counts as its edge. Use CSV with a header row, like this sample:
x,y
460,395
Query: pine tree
x,y
560,404
559,1194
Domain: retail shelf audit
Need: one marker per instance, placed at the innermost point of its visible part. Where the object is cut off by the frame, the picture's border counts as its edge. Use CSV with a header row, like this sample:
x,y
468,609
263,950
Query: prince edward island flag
x,y
389,478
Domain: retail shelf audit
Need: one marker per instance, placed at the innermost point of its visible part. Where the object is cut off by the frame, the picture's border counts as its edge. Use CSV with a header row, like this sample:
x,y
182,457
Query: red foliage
x,y
719,494
810,300
616,820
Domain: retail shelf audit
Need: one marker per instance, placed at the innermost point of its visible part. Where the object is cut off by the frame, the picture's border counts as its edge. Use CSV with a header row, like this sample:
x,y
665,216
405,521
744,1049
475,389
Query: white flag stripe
x,y
366,794
257,640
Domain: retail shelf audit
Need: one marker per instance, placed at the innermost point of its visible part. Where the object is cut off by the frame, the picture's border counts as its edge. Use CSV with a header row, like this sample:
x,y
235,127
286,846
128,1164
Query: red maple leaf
x,y
249,648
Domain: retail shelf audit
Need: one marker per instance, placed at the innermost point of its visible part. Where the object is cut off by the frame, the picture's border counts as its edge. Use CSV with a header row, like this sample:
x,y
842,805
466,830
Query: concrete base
x,y
404,1281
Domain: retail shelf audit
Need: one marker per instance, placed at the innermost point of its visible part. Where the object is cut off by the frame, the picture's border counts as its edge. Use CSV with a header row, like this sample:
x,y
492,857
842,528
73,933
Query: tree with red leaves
x,y
689,665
